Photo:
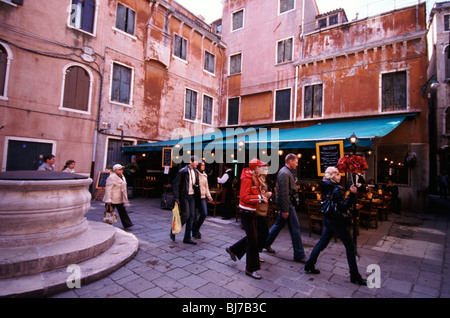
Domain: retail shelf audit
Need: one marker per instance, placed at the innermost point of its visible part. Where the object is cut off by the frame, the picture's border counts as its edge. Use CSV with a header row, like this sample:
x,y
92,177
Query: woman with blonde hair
x,y
331,188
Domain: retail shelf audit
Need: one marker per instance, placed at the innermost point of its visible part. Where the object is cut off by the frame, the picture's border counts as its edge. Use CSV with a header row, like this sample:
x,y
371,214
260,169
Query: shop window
x,y
391,163
121,84
190,106
210,61
180,47
207,110
313,101
286,5
394,91
238,20
125,19
284,50
283,105
236,64
82,15
233,111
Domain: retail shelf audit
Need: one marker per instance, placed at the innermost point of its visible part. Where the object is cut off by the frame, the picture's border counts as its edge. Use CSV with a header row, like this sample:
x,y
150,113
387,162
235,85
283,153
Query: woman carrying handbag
x,y
331,188
249,198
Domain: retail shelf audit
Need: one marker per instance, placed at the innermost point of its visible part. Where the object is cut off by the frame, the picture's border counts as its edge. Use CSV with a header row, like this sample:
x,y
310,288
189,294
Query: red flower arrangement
x,y
352,164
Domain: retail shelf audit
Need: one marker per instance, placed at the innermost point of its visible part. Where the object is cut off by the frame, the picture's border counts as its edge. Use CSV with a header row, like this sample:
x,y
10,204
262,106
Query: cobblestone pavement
x,y
411,250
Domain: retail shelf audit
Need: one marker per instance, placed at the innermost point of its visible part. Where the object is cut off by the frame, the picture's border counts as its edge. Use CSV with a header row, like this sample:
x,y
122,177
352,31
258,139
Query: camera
x,y
295,198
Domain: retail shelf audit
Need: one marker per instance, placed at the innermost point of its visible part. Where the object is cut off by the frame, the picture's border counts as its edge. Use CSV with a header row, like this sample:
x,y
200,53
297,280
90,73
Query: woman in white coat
x,y
116,194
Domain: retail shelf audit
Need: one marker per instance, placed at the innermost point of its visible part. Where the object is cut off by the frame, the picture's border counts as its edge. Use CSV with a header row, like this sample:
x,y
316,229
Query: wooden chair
x,y
368,213
312,208
384,208
212,206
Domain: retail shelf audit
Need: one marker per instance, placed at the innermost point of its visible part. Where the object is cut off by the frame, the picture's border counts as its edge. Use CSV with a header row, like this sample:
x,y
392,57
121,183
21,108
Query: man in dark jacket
x,y
227,191
286,192
186,192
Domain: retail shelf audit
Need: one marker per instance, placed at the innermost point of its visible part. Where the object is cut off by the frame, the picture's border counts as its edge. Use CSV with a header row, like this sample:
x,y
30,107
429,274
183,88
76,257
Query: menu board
x,y
101,180
167,157
328,154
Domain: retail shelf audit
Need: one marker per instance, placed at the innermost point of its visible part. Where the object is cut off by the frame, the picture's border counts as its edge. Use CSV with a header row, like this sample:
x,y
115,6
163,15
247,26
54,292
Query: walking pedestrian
x,y
47,165
116,194
262,225
331,187
186,192
204,194
69,166
286,194
249,197
227,191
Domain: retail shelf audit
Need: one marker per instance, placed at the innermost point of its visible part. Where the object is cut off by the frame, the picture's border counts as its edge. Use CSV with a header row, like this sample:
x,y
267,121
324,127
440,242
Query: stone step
x,y
124,247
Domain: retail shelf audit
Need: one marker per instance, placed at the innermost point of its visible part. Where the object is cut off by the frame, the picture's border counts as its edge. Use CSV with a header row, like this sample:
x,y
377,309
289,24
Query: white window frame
x,y
91,80
290,10
212,110
303,100
196,105
111,82
292,52
135,19
94,27
229,63
173,48
8,67
380,91
243,20
8,138
275,105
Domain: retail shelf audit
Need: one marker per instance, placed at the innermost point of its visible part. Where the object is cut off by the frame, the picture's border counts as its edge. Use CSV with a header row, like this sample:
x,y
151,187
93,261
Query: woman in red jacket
x,y
249,197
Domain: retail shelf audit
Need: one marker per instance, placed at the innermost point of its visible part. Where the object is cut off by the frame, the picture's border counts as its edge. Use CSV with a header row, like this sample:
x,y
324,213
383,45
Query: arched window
x,y
76,89
3,68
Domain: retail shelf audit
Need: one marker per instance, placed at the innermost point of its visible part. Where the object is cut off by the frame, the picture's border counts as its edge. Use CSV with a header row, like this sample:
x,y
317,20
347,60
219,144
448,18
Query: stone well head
x,y
39,207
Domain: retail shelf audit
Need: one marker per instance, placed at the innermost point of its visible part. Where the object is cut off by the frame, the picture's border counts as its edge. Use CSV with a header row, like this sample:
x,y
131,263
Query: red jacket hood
x,y
246,173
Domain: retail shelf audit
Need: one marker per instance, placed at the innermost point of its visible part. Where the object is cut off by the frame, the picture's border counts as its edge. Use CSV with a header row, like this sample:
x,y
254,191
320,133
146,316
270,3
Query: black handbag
x,y
330,210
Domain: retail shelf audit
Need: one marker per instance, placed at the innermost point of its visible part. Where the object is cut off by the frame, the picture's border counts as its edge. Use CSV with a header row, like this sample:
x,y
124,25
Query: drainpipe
x,y
295,93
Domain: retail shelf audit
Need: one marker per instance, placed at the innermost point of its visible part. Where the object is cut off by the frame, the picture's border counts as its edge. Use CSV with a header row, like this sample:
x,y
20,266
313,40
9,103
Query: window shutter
x,y
308,102
130,22
400,90
121,17
125,85
70,86
115,90
82,90
317,108
187,106
387,87
177,46
280,52
87,23
288,50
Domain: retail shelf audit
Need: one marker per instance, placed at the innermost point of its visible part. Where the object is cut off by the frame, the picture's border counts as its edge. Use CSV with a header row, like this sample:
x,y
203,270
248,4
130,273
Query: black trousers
x,y
124,218
249,244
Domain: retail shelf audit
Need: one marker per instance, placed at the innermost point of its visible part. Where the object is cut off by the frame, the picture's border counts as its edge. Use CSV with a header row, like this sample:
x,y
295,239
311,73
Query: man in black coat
x,y
186,193
227,191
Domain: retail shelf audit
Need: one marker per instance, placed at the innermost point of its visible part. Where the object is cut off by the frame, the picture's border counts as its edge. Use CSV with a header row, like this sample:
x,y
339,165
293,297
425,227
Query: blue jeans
x,y
188,216
294,230
343,234
203,212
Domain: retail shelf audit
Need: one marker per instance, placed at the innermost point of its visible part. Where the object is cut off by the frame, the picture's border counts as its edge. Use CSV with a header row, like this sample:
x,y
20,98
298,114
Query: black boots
x,y
358,280
311,269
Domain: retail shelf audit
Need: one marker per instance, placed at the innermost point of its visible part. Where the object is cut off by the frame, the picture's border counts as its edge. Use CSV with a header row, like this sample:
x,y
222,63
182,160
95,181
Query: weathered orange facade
x,y
149,102
349,66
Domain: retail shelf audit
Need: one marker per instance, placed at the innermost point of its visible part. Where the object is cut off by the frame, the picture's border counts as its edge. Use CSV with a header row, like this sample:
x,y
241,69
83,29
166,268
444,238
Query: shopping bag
x,y
109,216
176,220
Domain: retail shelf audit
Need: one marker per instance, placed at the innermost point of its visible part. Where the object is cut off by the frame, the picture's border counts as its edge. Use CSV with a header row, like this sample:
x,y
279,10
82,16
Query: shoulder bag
x,y
109,216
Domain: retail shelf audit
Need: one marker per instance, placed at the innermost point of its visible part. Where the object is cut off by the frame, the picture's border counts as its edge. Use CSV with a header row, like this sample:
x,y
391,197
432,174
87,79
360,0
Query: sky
x,y
212,9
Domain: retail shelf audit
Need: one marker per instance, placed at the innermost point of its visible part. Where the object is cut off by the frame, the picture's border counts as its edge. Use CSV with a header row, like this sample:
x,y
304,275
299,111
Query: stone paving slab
x,y
410,249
